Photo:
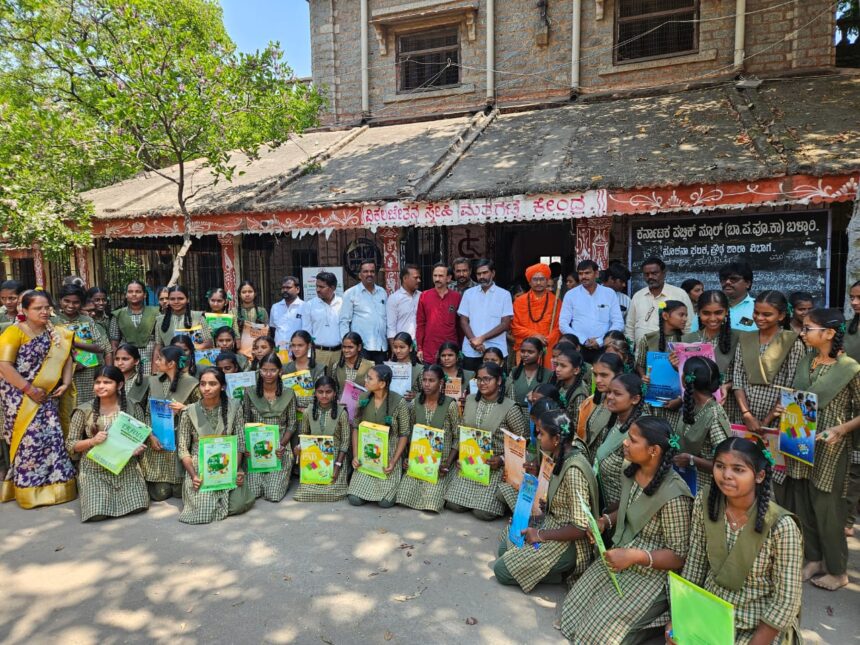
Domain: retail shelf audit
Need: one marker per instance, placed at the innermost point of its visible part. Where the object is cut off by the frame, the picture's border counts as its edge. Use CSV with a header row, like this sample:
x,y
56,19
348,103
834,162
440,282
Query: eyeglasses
x,y
731,278
485,379
806,330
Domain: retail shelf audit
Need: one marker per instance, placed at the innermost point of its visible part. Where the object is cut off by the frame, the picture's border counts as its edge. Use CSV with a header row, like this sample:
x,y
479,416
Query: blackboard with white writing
x,y
787,252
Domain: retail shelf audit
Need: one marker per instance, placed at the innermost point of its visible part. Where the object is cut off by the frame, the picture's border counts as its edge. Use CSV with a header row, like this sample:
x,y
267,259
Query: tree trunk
x,y
186,244
852,265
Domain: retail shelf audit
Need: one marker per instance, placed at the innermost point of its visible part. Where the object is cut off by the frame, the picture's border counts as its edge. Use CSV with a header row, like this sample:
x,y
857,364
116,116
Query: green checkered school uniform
x,y
304,402
726,363
101,492
373,489
422,495
342,373
256,315
573,398
767,586
595,429
518,388
710,426
282,413
84,377
339,429
200,336
491,416
650,342
608,464
210,506
137,392
592,608
163,466
137,329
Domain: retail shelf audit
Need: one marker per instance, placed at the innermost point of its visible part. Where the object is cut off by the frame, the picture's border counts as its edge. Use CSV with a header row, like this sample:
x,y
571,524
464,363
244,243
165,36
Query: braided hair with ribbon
x,y
656,432
757,457
700,375
831,319
556,423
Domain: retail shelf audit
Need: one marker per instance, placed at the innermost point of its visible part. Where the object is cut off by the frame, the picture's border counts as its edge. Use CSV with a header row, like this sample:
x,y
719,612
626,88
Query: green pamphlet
x,y
217,321
598,540
373,449
217,460
125,435
698,616
261,442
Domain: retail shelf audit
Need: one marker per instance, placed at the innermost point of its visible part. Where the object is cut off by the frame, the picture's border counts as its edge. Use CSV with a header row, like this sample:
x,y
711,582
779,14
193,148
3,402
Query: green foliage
x,y
135,85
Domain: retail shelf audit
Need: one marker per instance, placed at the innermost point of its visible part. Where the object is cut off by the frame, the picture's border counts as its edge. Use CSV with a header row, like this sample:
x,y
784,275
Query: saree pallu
x,y
41,472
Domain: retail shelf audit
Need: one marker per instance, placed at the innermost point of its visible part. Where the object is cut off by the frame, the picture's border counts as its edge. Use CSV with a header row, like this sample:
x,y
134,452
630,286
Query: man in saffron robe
x,y
536,312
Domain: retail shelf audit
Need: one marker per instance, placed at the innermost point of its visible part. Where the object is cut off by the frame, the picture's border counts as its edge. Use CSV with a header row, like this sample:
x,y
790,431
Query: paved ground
x,y
287,573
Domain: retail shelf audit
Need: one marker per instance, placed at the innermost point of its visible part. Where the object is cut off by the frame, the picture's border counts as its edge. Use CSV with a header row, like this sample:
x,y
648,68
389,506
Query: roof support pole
x,y
491,51
365,85
575,44
740,32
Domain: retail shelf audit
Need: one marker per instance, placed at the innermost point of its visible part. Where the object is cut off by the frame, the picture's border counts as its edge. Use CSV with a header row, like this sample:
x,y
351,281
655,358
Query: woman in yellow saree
x,y
36,369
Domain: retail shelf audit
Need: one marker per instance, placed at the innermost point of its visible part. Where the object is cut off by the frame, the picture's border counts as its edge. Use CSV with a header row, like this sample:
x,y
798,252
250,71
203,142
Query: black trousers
x,y
589,355
376,357
472,364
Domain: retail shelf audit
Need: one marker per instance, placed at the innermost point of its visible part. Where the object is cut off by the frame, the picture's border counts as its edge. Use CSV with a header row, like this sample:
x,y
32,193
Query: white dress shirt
x,y
286,319
401,310
322,320
364,313
590,315
485,310
642,316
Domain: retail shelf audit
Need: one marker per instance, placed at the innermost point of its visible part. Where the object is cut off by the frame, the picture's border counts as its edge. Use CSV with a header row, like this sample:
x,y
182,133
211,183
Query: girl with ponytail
x,y
762,542
703,423
248,308
488,410
219,301
450,359
226,341
569,380
816,493
529,373
383,407
326,417
128,360
213,414
304,359
270,403
565,549
625,402
134,324
352,366
102,493
671,323
650,536
184,342
167,383
615,342
180,319
595,414
403,351
765,361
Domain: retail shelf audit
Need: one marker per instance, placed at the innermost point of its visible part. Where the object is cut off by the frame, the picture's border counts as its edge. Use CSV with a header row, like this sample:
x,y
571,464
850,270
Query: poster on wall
x,y
309,280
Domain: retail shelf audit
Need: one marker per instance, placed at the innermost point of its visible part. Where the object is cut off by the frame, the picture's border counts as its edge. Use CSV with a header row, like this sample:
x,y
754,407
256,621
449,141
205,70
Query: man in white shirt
x,y
363,312
643,315
403,304
485,312
286,315
590,311
320,318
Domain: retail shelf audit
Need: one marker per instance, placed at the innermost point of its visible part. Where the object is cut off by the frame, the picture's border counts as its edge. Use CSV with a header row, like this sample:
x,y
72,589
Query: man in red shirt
x,y
436,319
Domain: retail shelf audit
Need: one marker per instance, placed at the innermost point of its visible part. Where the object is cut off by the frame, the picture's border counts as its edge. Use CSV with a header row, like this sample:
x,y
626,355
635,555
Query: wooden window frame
x,y
696,8
455,28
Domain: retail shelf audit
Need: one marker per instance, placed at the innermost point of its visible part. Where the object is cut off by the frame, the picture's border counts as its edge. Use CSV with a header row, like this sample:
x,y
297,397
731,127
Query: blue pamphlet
x,y
664,385
688,474
523,509
162,423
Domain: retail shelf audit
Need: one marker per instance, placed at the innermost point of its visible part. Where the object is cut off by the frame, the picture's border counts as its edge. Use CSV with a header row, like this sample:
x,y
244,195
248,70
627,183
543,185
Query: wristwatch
x,y
338,464
692,462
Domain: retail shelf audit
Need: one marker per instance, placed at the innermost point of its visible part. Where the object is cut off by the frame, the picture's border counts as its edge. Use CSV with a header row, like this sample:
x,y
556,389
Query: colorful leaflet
x,y
425,453
699,616
83,334
373,449
250,333
161,417
301,382
238,381
196,333
769,436
217,460
316,464
453,387
797,425
401,377
685,351
515,458
205,357
217,321
476,449
261,442
598,540
664,384
544,475
125,435
349,398
526,499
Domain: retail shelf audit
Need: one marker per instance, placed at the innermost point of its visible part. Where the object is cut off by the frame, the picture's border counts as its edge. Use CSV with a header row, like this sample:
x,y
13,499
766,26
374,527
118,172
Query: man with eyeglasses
x,y
533,312
736,280
643,315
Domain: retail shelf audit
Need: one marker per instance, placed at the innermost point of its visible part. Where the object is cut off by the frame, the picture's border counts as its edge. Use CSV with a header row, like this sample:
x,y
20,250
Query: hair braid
x,y
96,407
689,404
635,413
855,323
725,342
192,364
174,383
541,372
259,385
224,409
138,379
501,396
165,322
665,466
187,317
763,493
715,496
661,346
123,400
315,409
837,343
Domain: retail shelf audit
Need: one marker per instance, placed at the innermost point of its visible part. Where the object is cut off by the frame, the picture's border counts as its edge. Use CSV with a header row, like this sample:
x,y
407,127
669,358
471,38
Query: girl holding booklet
x,y
564,546
271,403
817,493
351,366
488,410
303,352
212,415
651,537
529,373
386,408
432,408
569,379
591,426
161,469
102,493
128,360
765,361
248,308
179,318
219,302
403,351
326,417
673,319
134,324
745,549
225,340
625,403
449,359
703,424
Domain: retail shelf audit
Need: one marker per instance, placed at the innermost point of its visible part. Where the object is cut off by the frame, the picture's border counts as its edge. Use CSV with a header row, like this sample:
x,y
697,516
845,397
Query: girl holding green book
x,y
271,403
213,414
564,546
219,302
325,417
816,493
102,493
651,537
745,549
432,408
490,411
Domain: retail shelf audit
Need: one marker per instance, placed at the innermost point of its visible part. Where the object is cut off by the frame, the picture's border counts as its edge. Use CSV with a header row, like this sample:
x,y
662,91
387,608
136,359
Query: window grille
x,y
646,29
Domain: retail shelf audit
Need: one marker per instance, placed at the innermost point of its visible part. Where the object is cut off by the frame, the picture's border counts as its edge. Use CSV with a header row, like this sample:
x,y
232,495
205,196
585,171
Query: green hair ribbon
x,y
674,442
768,456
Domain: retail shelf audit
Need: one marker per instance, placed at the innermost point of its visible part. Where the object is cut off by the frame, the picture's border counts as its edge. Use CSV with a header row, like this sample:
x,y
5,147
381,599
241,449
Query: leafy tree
x,y
155,84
